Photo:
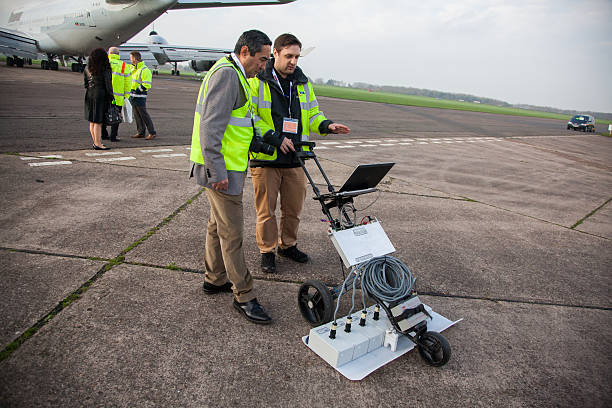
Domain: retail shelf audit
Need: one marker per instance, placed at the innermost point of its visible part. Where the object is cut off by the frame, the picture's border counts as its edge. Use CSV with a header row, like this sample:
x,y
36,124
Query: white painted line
x,y
387,144
330,143
423,143
354,141
390,140
436,142
458,141
407,140
345,147
372,141
52,156
102,153
51,163
188,148
158,156
405,144
156,150
448,141
321,147
367,145
110,159
30,158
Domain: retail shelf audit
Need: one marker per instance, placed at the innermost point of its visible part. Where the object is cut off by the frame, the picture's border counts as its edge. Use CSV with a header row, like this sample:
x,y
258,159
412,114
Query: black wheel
x,y
434,348
315,302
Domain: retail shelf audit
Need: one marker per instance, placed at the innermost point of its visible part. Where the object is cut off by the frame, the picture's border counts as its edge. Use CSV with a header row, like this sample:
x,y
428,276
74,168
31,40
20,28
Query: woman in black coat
x,y
98,82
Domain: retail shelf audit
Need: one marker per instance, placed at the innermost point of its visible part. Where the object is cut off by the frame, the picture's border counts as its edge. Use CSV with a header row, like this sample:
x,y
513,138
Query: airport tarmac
x,y
504,221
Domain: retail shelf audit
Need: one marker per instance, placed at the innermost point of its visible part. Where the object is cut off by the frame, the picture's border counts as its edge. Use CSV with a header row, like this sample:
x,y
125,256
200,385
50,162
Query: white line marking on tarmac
x,y
387,144
51,163
30,158
330,143
158,156
102,153
345,147
321,147
368,145
111,159
405,143
156,150
52,156
391,140
354,141
373,141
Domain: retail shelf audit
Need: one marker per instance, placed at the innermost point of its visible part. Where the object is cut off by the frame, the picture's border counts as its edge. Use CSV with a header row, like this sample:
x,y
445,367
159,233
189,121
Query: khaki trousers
x,y
224,256
268,182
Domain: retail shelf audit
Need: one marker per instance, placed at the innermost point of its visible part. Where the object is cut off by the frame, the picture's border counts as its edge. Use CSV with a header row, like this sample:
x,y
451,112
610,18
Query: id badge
x,y
290,125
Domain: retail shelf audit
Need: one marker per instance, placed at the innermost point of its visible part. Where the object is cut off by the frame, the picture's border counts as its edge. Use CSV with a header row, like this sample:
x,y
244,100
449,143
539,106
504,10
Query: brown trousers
x,y
224,256
268,182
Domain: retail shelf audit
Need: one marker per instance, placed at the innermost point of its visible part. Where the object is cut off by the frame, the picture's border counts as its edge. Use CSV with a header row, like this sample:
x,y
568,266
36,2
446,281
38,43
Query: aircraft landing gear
x,y
15,61
175,71
52,65
77,67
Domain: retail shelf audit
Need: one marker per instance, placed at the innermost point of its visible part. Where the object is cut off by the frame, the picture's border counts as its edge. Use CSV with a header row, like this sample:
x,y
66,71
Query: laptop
x,y
366,176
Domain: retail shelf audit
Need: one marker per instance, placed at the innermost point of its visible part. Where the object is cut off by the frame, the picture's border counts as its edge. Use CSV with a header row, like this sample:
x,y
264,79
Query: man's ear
x,y
244,51
274,53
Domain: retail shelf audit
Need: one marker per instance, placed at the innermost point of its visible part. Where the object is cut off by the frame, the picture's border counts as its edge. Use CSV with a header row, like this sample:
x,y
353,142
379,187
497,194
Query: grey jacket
x,y
224,94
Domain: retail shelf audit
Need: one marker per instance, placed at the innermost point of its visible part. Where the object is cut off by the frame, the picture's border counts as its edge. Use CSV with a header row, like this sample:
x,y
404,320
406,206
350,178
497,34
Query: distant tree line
x,y
455,97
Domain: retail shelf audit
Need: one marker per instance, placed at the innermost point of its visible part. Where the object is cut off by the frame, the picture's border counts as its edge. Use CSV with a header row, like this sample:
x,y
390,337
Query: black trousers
x,y
143,120
113,134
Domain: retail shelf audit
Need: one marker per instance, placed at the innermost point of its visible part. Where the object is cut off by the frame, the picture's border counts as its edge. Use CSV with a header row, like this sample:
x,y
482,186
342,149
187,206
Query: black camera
x,y
259,146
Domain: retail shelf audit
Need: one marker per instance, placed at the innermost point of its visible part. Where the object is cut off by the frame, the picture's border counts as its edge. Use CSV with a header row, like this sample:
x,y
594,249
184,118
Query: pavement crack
x,y
580,221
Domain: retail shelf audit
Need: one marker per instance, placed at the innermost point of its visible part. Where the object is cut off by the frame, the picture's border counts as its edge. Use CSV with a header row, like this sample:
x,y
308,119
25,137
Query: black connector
x,y
332,332
363,318
347,328
376,312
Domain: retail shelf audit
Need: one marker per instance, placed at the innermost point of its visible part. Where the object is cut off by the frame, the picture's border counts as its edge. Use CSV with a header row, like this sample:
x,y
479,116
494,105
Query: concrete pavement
x,y
102,266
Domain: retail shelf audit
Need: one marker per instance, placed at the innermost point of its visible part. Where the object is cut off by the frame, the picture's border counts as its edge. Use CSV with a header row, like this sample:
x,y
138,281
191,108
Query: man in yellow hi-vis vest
x,y
142,79
286,103
121,86
223,128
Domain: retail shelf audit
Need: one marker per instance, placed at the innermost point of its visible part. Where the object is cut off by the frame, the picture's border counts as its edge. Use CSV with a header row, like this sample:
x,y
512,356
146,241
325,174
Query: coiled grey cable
x,y
386,278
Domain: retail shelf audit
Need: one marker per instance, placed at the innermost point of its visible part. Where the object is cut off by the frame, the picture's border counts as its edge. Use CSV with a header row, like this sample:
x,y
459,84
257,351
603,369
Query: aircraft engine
x,y
201,65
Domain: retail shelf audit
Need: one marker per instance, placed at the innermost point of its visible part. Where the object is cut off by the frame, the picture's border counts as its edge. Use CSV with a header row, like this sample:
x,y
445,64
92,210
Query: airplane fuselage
x,y
75,27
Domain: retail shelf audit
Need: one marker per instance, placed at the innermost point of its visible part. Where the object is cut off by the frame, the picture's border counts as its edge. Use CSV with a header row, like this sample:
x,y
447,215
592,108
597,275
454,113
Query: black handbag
x,y
113,115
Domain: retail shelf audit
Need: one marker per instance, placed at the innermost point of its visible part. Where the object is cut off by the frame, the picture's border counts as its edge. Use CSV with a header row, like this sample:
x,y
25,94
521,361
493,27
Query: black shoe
x,y
100,148
116,139
294,253
253,311
268,262
211,289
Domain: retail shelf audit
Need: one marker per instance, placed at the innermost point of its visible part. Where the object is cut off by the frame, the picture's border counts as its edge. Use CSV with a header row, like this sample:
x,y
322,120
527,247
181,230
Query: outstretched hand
x,y
338,128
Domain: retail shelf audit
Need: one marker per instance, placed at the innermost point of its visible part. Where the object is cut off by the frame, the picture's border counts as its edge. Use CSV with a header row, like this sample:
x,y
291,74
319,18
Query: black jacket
x,y
280,110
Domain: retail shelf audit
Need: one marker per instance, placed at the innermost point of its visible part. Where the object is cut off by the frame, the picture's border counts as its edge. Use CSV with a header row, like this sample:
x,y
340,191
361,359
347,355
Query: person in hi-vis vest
x,y
122,83
285,101
223,128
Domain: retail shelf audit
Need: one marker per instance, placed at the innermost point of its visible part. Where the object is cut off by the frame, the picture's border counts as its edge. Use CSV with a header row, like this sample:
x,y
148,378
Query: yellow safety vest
x,y
311,117
239,132
121,78
141,75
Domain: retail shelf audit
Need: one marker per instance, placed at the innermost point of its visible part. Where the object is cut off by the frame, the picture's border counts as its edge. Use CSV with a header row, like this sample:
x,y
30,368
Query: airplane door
x,y
89,19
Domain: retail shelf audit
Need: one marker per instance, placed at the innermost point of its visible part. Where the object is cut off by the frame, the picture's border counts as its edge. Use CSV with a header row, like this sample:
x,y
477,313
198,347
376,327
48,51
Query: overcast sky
x,y
549,52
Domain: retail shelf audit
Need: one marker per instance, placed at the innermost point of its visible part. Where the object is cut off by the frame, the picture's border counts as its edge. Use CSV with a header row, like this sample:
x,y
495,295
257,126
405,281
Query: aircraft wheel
x,y
10,61
54,65
44,64
315,302
178,72
434,348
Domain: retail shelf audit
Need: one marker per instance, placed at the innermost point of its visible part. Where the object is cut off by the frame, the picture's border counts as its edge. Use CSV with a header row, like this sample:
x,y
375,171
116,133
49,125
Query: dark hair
x,y
254,40
136,55
98,62
286,40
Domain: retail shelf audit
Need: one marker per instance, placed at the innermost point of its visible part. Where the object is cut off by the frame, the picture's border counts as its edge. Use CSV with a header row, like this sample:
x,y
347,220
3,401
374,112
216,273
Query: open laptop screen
x,y
366,176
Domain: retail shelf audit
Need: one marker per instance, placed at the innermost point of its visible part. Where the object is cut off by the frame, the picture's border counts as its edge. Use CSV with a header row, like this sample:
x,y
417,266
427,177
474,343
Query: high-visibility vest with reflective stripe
x,y
311,117
141,75
121,78
239,131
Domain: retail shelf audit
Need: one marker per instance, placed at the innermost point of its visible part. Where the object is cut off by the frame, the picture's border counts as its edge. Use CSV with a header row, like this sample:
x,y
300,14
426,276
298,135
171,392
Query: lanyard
x,y
281,88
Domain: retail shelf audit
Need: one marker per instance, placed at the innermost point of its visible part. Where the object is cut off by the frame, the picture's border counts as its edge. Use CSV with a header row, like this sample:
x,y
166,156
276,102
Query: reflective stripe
x,y
138,96
118,93
147,82
255,100
304,106
265,105
120,74
313,118
307,91
240,122
313,104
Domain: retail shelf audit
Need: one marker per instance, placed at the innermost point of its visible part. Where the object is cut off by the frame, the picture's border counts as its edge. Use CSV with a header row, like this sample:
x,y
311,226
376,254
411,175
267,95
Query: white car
x,y
586,123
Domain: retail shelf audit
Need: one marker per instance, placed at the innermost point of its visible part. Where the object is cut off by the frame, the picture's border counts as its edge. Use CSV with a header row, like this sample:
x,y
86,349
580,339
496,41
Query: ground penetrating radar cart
x,y
359,343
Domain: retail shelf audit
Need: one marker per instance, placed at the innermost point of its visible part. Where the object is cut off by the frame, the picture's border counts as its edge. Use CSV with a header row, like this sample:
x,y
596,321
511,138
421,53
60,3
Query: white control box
x,y
361,243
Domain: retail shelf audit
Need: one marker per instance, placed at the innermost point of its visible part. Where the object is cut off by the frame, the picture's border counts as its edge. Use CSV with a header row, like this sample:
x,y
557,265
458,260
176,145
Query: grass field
x,y
413,100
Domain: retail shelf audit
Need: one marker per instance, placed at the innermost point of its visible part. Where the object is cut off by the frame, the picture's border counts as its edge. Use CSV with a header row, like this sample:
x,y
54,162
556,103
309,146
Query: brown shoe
x,y
150,136
137,136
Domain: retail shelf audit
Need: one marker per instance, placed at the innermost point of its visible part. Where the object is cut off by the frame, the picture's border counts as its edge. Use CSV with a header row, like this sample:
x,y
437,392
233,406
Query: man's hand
x,y
287,146
339,128
221,185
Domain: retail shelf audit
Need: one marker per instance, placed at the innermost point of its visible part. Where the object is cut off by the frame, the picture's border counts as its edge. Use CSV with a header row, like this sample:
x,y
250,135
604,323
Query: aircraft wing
x,y
188,4
17,43
159,54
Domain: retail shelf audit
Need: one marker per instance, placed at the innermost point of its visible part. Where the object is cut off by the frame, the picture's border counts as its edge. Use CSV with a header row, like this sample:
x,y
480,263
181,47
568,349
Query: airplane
x,y
70,29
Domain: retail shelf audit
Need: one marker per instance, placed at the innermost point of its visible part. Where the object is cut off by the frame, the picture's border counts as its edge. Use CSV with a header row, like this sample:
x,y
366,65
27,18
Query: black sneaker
x,y
268,262
294,253
211,289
